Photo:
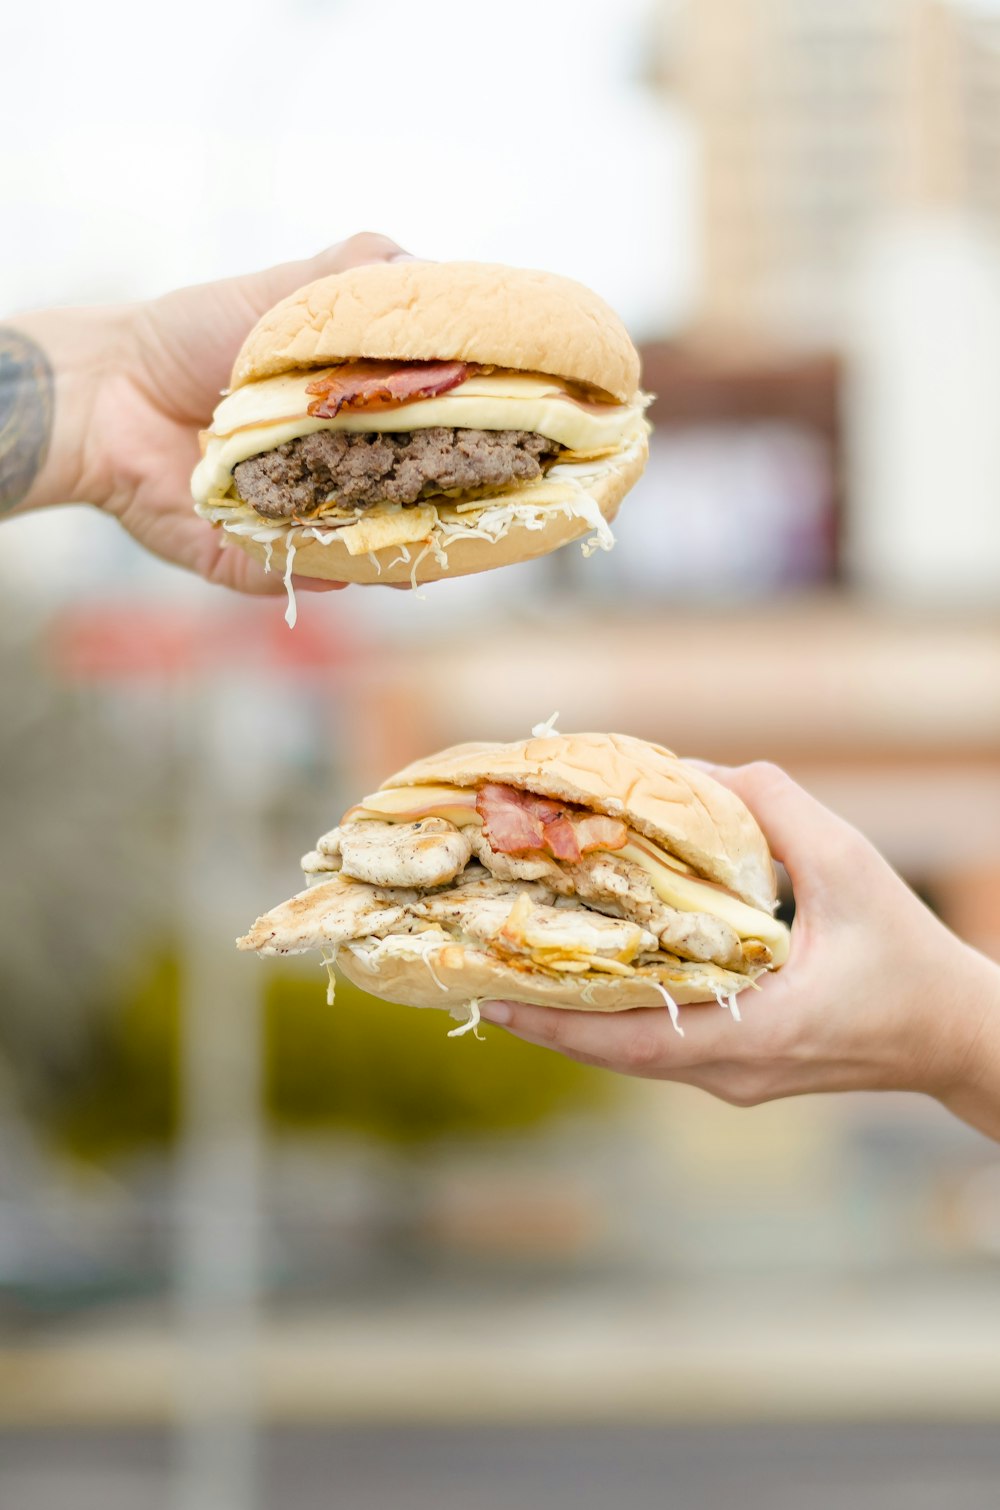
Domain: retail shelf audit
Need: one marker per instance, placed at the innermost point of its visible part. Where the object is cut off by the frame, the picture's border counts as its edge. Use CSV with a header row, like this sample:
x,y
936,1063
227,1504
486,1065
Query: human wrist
x,y
54,366
968,1077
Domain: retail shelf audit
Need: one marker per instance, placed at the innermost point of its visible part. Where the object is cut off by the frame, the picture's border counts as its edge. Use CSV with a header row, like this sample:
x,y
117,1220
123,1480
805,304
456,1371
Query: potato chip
x,y
383,530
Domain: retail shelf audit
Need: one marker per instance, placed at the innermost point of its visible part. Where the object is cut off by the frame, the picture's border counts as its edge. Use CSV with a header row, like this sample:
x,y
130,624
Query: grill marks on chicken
x,y
328,915
425,853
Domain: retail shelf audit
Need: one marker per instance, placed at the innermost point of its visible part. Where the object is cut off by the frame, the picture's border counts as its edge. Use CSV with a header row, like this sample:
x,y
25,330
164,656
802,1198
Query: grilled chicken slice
x,y
518,867
426,853
565,930
618,886
330,913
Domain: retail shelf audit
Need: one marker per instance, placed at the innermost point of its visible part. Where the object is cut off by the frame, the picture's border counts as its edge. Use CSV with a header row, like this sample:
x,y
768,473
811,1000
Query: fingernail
x,y
403,257
496,1011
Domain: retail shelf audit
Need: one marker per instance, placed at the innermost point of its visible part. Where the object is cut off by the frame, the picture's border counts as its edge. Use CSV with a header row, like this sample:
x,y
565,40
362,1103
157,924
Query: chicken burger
x,y
590,871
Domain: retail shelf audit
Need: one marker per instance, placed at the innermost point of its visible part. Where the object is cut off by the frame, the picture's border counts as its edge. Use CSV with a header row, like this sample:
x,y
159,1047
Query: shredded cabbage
x,y
471,1024
727,1003
403,946
671,1005
291,612
329,957
547,730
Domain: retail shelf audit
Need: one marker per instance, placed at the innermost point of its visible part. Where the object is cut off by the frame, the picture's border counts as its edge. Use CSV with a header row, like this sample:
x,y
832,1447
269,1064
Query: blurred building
x,y
816,123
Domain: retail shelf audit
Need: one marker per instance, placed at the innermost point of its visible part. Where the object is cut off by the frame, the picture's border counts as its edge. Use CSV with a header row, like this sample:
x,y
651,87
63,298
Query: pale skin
x,y
103,406
877,994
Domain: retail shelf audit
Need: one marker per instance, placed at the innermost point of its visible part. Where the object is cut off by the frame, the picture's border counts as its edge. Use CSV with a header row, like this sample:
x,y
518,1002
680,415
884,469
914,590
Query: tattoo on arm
x,y
27,400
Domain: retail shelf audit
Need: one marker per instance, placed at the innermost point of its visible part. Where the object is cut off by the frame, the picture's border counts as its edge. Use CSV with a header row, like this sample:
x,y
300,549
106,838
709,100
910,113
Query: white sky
x,y
193,140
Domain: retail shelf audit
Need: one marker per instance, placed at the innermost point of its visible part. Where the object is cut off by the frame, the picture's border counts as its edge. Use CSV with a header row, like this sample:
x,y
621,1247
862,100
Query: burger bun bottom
x,y
458,974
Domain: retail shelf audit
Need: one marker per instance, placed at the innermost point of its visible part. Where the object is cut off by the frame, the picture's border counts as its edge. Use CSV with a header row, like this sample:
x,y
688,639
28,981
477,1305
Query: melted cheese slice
x,y
686,892
264,415
405,804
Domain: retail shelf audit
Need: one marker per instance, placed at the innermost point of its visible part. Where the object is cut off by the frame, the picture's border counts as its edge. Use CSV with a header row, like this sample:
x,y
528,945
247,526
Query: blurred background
x,y
257,1251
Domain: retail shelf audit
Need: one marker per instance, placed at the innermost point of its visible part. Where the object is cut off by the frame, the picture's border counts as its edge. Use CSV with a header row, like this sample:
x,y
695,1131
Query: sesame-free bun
x,y
680,807
334,563
447,311
466,973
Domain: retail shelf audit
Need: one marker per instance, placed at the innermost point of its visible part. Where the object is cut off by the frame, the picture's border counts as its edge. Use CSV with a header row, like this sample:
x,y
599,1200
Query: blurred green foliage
x,y
125,1095
363,1065
394,1073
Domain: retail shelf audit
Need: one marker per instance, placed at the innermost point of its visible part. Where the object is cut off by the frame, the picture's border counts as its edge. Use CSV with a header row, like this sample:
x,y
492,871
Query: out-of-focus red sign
x,y
127,640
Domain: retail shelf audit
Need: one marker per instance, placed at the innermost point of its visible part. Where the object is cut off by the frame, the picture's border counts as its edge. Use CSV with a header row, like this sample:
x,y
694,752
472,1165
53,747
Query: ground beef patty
x,y
386,467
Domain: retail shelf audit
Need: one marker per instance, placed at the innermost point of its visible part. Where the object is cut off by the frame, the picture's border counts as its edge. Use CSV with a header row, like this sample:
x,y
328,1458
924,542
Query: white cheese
x,y
688,894
264,415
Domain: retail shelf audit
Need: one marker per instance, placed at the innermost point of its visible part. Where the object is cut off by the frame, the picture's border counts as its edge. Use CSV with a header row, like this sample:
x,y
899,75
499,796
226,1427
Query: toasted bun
x,y
451,311
469,974
334,563
668,800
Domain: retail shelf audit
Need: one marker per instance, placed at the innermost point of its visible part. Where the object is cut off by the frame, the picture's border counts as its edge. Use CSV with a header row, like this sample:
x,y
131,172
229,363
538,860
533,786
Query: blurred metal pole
x,y
217,1256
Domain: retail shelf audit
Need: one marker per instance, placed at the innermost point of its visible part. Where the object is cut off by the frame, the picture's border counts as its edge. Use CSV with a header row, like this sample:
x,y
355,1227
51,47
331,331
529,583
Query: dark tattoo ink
x,y
27,400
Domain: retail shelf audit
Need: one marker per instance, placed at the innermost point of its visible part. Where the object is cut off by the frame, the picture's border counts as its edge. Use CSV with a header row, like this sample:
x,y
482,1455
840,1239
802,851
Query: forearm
x,y
52,364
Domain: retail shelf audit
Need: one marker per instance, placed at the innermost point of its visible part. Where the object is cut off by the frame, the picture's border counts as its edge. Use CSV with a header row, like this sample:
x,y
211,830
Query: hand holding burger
x,y
877,994
104,405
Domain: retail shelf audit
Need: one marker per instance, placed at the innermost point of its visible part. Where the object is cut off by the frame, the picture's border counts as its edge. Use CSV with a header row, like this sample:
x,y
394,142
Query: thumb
x,y
803,834
187,340
265,288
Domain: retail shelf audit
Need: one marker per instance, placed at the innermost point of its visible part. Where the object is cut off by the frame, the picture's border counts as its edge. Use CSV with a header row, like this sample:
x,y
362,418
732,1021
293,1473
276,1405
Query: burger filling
x,y
403,467
410,458
542,885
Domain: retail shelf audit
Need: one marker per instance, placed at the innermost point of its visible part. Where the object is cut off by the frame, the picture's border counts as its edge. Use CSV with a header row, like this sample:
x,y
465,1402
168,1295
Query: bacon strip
x,y
597,831
376,386
517,823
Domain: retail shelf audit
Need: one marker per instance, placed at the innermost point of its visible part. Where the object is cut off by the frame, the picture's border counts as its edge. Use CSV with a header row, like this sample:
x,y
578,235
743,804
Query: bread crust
x,y
465,973
452,311
659,795
333,562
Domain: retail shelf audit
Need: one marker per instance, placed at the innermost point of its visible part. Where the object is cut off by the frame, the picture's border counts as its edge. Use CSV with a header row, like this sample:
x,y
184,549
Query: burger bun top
x,y
659,795
446,311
